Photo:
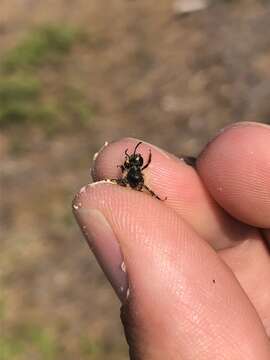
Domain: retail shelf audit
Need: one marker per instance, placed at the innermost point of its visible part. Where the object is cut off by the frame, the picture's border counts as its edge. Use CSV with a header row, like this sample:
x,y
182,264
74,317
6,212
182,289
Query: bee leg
x,y
121,167
152,193
121,182
127,154
139,187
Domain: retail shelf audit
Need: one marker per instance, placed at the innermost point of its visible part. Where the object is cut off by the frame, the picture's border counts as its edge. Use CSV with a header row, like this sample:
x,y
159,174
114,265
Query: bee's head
x,y
135,160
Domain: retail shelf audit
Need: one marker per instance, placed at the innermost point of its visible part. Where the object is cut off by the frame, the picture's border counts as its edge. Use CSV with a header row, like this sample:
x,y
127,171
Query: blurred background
x,y
74,74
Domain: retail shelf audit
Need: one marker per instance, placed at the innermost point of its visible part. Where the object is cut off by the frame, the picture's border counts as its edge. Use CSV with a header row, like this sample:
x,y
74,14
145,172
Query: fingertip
x,y
95,161
108,162
235,167
113,154
176,181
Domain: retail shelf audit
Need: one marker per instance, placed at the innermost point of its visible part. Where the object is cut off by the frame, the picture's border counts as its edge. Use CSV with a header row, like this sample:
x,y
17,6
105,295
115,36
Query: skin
x,y
198,263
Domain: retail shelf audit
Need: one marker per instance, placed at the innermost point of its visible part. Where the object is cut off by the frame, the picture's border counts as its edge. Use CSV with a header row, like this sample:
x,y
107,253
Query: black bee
x,y
132,171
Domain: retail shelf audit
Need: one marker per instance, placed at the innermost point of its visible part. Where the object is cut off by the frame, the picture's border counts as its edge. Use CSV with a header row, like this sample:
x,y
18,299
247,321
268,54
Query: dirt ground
x,y
167,78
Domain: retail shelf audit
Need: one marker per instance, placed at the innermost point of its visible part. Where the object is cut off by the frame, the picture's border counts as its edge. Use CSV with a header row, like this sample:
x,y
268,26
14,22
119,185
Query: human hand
x,y
195,279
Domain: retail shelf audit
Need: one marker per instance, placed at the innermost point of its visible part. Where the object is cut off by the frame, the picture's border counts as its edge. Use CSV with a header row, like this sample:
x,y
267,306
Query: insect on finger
x,y
132,171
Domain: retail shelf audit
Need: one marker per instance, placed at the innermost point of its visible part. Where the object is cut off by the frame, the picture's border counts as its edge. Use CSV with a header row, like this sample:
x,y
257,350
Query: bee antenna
x,y
136,147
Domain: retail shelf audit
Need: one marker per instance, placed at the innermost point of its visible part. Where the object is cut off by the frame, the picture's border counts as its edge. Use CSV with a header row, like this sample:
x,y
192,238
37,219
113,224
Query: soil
x,y
166,78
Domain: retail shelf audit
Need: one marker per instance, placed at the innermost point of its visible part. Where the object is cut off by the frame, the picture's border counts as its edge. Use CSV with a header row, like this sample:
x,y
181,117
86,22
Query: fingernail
x,y
103,242
95,158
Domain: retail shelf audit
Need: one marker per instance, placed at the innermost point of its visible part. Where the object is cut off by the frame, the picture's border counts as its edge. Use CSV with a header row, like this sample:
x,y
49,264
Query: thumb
x,y
180,300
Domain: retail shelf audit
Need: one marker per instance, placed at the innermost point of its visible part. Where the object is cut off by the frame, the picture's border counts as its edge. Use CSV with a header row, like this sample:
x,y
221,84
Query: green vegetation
x,y
27,97
90,349
21,88
40,340
28,339
95,350
45,45
9,348
2,309
18,96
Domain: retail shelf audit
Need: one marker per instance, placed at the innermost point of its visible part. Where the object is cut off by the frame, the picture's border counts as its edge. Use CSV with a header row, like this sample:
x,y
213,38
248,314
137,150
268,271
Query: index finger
x,y
170,177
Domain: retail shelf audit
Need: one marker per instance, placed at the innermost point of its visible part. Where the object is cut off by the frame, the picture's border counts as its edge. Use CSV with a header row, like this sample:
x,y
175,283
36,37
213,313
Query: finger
x,y
184,302
235,168
249,262
169,177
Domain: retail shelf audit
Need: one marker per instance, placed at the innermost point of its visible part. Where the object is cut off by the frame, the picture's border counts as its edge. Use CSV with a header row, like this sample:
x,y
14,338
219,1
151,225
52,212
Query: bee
x,y
132,171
